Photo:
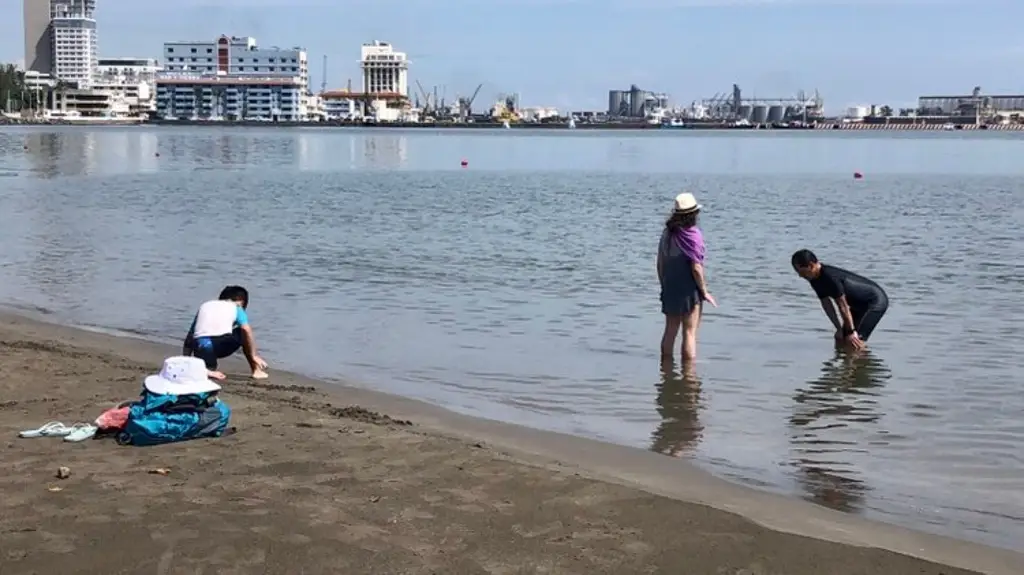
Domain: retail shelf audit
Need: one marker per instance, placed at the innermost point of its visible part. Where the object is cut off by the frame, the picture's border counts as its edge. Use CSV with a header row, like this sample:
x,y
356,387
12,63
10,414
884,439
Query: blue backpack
x,y
157,419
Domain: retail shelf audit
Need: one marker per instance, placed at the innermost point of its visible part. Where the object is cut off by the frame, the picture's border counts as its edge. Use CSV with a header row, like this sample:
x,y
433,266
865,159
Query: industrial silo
x,y
759,114
636,101
616,100
743,112
663,102
776,114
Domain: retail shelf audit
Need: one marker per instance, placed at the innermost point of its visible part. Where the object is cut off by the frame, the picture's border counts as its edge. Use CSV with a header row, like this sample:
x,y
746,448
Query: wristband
x,y
848,331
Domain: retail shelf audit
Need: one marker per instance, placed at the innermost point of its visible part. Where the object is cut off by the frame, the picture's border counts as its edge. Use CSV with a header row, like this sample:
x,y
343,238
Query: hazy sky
x,y
569,53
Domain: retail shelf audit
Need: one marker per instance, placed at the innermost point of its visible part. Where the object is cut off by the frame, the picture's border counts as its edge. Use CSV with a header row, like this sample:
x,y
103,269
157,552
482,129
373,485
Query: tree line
x,y
16,95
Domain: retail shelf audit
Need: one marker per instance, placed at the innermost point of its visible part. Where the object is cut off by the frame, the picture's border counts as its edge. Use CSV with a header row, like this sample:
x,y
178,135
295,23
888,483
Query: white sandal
x,y
81,432
51,429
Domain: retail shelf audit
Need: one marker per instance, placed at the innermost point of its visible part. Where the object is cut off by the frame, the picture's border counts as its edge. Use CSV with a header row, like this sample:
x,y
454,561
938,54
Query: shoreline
x,y
633,469
828,126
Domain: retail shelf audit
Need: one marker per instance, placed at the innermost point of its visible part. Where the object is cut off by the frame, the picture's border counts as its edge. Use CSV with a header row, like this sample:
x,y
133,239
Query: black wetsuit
x,y
867,300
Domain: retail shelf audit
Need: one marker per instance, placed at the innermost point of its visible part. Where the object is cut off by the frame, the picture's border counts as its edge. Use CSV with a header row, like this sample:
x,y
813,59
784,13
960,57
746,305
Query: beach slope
x,y
311,484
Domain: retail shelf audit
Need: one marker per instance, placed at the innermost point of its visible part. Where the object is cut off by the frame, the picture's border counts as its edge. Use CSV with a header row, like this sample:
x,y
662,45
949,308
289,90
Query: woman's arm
x,y
702,286
698,276
661,268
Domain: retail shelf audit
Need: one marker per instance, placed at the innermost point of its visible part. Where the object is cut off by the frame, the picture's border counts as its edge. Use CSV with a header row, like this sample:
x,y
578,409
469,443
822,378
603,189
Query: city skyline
x,y
569,54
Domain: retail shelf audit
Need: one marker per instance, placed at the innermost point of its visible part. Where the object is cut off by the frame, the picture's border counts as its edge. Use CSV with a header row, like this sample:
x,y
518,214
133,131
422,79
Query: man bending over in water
x,y
221,326
861,302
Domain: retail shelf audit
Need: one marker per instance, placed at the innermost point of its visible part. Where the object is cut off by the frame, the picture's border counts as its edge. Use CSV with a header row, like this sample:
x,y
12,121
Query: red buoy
x,y
464,163
857,175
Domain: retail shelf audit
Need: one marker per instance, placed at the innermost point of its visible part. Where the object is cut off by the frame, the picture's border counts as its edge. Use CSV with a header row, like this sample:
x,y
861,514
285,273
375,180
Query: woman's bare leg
x,y
691,322
668,339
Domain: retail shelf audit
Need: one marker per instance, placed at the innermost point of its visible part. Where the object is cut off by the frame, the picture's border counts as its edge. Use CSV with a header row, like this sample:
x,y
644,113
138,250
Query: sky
x,y
569,53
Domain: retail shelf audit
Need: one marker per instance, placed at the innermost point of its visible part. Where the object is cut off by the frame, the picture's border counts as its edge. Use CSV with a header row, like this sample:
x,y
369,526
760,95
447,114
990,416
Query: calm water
x,y
523,288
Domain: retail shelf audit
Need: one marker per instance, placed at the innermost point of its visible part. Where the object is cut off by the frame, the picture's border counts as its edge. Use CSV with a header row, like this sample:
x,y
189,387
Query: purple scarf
x,y
691,242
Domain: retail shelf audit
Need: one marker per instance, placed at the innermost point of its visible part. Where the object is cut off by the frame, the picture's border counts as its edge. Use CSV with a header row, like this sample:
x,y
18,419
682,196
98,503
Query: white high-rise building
x,y
232,78
385,71
236,55
73,36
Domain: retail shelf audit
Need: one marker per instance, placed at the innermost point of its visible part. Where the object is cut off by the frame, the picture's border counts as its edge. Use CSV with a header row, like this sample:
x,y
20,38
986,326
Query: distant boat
x,y
505,124
572,123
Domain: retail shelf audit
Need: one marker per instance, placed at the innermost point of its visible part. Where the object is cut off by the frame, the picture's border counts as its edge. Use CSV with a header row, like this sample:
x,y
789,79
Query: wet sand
x,y
330,479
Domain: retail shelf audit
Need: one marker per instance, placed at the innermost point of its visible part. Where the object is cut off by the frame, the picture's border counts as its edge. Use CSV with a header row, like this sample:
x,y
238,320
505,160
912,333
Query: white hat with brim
x,y
685,203
181,375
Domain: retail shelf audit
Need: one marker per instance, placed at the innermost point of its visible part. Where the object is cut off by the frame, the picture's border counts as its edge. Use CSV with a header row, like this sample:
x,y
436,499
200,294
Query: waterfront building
x,y
385,70
132,80
230,97
60,40
341,105
91,103
236,55
143,69
972,104
233,78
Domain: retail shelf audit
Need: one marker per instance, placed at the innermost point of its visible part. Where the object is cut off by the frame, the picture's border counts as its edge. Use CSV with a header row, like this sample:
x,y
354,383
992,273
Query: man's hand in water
x,y
853,340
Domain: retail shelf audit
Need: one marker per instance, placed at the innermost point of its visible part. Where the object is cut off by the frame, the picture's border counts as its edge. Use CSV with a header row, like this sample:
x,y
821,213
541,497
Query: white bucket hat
x,y
686,203
181,375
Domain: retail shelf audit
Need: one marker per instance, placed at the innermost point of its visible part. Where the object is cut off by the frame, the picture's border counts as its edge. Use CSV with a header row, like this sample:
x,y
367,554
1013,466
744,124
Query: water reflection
x,y
54,154
385,151
832,420
679,404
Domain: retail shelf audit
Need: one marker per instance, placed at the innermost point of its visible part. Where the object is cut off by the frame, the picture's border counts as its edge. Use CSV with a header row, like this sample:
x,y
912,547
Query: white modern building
x,y
131,80
142,69
232,78
236,55
340,105
230,97
385,71
72,30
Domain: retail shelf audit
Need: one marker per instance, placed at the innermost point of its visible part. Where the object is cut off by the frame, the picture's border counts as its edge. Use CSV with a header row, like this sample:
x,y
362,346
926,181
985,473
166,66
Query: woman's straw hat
x,y
686,203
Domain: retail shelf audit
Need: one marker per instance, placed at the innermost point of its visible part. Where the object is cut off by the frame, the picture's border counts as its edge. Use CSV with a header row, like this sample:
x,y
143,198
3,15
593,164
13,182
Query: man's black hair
x,y
803,258
235,293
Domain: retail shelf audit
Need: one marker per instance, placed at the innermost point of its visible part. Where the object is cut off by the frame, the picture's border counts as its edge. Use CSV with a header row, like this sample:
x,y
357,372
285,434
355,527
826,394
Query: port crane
x,y
465,105
428,105
436,108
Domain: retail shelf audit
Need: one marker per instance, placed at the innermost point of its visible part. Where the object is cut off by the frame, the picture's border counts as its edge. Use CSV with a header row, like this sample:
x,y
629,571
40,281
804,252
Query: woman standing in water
x,y
681,273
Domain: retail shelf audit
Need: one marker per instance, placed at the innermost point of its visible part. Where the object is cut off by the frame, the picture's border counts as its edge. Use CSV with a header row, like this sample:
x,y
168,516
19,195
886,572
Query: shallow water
x,y
522,287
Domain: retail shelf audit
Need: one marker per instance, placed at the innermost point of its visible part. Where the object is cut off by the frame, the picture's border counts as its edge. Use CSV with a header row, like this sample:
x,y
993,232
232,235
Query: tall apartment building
x,y
231,55
60,39
38,42
233,78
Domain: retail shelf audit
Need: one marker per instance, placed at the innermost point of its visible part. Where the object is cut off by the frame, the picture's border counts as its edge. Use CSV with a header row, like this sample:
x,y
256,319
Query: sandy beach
x,y
327,479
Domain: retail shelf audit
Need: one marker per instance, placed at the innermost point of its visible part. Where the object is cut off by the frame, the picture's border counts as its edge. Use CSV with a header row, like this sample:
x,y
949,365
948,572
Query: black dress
x,y
679,293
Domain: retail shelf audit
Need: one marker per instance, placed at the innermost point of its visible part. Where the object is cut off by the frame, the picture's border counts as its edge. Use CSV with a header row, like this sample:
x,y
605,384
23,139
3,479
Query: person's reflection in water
x,y
832,420
679,403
